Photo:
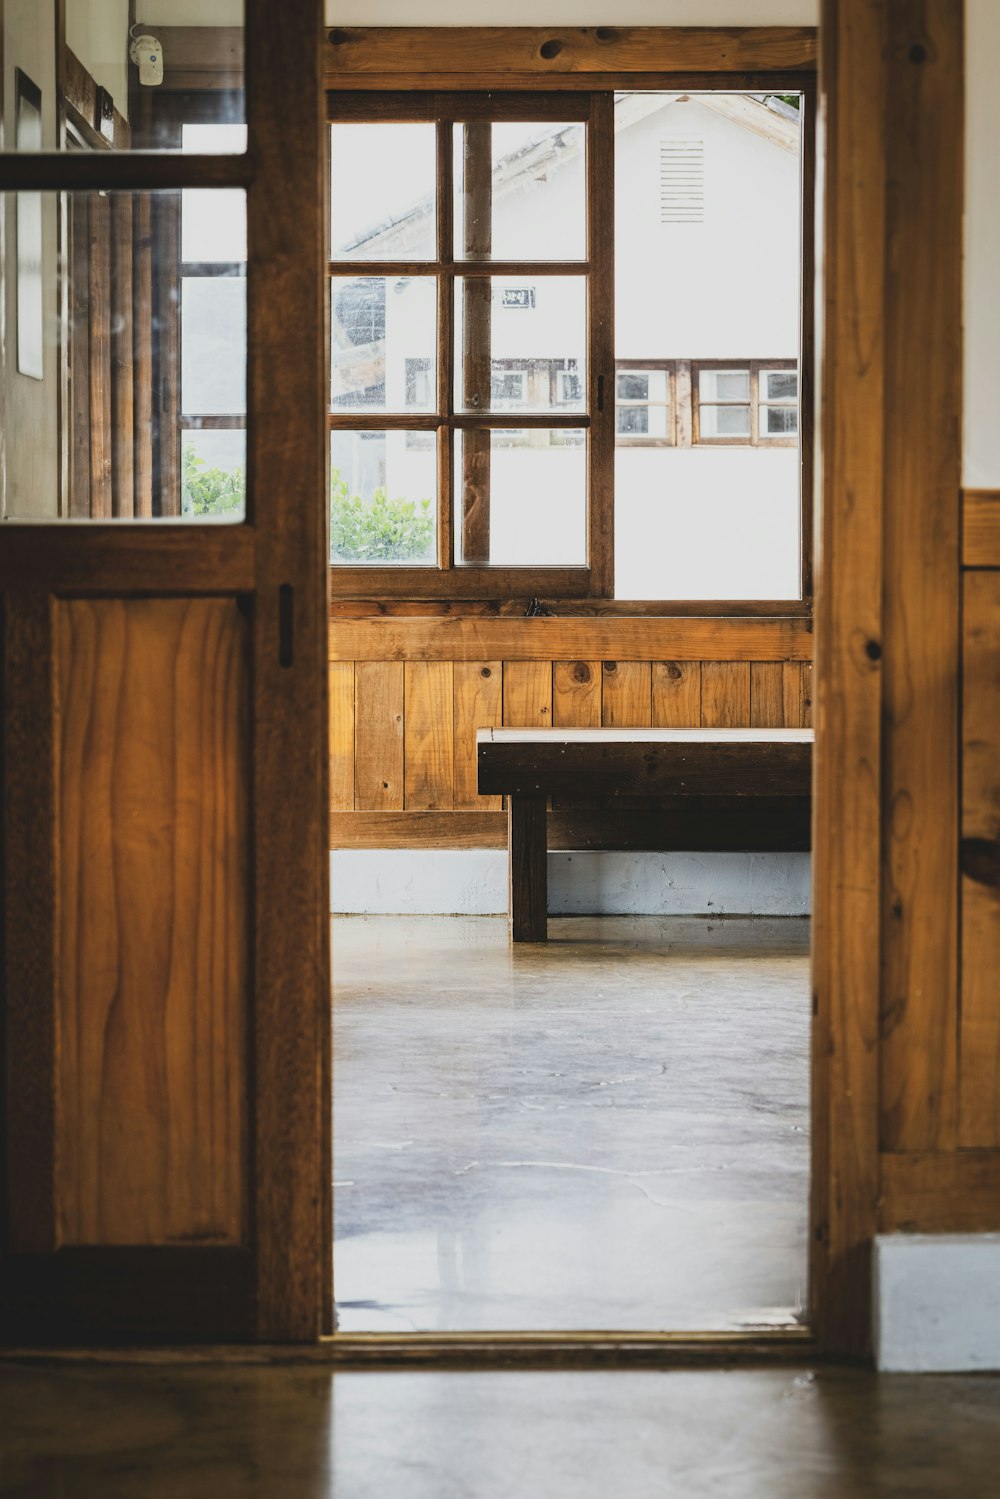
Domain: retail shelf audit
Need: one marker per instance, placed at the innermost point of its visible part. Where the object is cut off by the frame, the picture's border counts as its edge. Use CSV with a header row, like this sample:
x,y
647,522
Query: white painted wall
x,y
473,882
191,12
981,466
570,12
97,32
31,412
937,1303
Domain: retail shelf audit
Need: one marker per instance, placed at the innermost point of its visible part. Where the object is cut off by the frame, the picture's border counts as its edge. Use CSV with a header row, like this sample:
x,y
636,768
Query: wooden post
x,y
527,831
477,295
122,364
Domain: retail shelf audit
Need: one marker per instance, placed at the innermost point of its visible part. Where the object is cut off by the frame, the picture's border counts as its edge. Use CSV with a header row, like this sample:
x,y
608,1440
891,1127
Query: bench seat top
x,y
629,762
644,736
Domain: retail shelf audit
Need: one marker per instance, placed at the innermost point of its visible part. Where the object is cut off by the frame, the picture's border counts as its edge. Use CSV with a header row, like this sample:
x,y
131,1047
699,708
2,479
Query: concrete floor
x,y
302,1433
609,1131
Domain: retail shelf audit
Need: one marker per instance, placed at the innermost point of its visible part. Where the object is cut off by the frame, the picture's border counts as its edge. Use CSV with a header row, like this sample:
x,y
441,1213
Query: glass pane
x,y
724,385
633,421
778,421
520,191
779,385
384,343
382,192
534,350
213,344
523,497
213,475
123,91
725,421
125,355
633,385
214,220
708,276
383,499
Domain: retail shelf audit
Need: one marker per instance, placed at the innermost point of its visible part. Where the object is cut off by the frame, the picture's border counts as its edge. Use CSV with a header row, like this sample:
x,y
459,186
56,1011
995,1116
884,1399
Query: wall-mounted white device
x,y
147,54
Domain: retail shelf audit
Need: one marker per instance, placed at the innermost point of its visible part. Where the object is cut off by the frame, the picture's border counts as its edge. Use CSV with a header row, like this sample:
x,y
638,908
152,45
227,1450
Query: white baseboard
x,y
936,1303
473,882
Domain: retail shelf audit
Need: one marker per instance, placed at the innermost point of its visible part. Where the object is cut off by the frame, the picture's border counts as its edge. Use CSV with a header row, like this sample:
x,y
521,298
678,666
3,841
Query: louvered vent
x,y
682,180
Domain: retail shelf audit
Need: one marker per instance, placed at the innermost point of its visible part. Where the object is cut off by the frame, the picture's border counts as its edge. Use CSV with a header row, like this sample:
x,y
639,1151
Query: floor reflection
x,y
608,1132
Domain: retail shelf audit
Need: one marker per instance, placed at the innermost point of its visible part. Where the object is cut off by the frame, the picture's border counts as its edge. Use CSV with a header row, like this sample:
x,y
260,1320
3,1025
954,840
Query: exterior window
x,y
643,406
607,441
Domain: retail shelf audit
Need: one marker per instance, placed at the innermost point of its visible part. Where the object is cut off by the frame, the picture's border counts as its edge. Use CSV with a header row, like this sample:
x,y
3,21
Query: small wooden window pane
x,y
383,192
725,421
383,328
538,495
534,205
527,353
724,385
383,500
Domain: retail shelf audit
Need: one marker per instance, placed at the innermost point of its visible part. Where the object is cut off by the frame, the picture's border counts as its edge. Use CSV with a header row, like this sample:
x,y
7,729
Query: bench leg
x,y
526,850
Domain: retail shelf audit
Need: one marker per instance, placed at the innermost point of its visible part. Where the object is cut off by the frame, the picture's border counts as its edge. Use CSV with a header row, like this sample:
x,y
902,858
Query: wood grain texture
x,y
414,53
981,528
99,386
626,694
846,863
767,698
979,1033
955,1191
676,694
121,372
478,705
428,736
576,694
527,694
379,757
152,822
442,638
725,694
923,402
341,736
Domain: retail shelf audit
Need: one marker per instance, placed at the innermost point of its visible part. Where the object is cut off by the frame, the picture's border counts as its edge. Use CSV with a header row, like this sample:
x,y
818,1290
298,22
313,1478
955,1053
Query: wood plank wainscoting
x,y
407,695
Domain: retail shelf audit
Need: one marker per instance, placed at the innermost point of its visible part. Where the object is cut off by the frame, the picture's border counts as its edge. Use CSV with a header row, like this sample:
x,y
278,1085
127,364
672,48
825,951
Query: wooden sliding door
x,y
165,949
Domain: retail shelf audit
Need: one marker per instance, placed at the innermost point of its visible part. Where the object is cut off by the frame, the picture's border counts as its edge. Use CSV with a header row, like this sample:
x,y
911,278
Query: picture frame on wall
x,y
30,309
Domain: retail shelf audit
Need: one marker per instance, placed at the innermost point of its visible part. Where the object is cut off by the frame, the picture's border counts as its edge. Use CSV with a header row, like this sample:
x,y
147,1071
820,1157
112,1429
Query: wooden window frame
x,y
591,588
674,430
754,367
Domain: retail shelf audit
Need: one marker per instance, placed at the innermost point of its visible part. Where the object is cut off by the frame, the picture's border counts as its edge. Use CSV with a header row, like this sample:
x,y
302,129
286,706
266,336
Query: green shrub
x,y
380,529
210,491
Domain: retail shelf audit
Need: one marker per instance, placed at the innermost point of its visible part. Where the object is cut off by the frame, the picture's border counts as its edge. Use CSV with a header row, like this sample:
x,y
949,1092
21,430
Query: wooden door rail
x,y
530,765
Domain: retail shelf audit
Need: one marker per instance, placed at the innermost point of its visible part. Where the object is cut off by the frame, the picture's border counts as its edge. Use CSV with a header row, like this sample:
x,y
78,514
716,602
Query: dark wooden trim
x,y
200,57
125,171
981,528
455,101
946,1192
127,1294
288,469
83,98
493,56
721,824
601,344
30,974
469,581
441,638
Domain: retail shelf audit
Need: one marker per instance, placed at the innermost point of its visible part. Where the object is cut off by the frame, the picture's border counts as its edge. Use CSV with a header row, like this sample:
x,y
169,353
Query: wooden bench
x,y
530,765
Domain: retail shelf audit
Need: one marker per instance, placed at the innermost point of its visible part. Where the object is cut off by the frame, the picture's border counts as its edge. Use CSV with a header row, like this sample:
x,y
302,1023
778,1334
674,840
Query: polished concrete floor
x,y
609,1131
305,1433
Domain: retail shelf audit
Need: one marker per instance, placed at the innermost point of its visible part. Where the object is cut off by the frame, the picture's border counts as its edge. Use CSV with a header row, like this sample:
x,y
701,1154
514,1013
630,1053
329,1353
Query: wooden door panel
x,y
152,850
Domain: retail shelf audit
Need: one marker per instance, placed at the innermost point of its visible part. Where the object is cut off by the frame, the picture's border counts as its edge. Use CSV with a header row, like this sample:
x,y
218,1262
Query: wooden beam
x,y
921,646
521,56
847,828
443,638
200,57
